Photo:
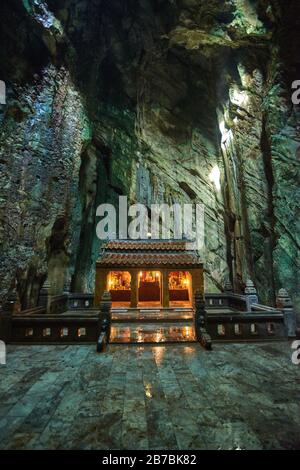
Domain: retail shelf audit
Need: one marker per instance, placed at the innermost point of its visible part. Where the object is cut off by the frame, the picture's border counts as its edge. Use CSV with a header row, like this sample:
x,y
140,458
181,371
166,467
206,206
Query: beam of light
x,y
215,177
239,98
226,134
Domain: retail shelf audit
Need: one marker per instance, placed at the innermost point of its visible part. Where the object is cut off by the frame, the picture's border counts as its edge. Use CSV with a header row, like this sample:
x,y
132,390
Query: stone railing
x,y
247,327
230,300
58,304
264,308
45,328
250,320
33,311
50,323
80,301
53,329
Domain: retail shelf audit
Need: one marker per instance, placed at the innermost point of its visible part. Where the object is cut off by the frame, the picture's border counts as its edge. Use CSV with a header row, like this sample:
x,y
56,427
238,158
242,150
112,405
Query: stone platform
x,y
240,396
153,326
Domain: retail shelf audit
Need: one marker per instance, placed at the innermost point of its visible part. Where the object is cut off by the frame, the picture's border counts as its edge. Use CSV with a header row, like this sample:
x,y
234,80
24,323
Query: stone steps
x,y
153,332
152,315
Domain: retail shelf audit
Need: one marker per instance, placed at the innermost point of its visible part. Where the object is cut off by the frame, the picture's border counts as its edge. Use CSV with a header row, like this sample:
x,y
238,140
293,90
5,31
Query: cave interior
x,y
162,101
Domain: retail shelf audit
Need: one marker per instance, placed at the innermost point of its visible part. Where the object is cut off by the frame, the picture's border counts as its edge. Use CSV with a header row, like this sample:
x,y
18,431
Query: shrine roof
x,y
148,253
146,245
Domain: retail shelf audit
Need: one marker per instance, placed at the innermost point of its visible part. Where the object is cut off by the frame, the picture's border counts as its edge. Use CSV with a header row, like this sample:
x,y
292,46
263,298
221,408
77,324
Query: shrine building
x,y
148,273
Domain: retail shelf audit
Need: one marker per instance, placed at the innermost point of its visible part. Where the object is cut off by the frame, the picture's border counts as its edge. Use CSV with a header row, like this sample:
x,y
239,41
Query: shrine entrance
x,y
149,288
180,289
119,286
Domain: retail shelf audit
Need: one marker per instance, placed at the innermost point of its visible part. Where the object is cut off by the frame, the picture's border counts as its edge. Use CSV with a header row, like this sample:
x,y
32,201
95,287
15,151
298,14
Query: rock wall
x,y
163,101
39,181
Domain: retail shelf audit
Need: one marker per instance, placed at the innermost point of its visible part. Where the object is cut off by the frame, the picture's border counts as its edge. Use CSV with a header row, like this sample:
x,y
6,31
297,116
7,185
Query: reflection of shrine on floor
x,y
149,286
179,286
151,333
119,286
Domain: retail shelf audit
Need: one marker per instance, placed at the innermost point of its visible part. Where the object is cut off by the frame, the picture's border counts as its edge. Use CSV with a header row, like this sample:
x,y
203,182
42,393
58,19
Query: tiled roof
x,y
148,253
148,259
146,245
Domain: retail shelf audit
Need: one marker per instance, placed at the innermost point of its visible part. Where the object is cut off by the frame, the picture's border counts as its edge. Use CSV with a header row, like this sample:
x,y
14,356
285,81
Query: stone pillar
x,y
134,288
10,307
100,284
197,281
12,304
200,312
228,287
105,307
67,288
165,289
5,326
251,294
284,303
45,297
201,321
104,322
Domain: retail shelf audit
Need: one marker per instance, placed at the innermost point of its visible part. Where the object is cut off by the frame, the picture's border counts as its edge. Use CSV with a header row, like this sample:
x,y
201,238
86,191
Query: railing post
x,y
67,288
44,297
251,295
10,307
66,293
284,303
104,322
12,303
228,287
201,321
5,326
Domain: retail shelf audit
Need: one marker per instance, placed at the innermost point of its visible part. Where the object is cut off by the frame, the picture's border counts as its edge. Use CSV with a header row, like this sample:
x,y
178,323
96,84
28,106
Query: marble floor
x,y
239,396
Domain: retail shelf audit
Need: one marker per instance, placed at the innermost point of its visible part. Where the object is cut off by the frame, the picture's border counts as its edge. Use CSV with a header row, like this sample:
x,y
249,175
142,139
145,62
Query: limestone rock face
x,y
42,137
163,101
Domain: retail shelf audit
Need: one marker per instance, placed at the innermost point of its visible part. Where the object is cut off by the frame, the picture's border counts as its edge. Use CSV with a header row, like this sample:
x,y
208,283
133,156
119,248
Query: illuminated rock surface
x,y
162,101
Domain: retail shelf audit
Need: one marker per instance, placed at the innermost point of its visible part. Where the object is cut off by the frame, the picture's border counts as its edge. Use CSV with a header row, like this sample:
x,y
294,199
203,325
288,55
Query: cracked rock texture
x,y
162,101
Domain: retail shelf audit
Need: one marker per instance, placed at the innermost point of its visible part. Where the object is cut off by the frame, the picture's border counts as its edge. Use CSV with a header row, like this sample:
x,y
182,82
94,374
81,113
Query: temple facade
x,y
148,273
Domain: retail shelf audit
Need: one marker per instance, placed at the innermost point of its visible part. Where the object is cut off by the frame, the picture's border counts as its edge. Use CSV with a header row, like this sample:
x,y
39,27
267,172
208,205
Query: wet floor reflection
x,y
150,397
154,333
159,354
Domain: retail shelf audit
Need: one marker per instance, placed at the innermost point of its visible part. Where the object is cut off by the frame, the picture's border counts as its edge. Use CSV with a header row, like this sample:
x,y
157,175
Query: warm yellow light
x,y
215,176
148,390
158,337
